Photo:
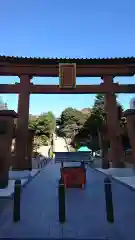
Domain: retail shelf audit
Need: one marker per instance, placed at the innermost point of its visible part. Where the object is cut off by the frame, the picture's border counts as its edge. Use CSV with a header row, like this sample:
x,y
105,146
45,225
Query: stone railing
x,y
40,162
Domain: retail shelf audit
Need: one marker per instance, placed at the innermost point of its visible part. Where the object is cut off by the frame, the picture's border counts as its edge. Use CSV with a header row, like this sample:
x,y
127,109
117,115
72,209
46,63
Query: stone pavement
x,y
60,145
86,216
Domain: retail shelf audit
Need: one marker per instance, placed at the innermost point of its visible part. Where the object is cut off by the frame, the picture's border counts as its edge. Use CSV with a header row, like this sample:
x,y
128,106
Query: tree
x,y
99,101
99,113
95,122
98,110
71,121
44,126
3,105
58,121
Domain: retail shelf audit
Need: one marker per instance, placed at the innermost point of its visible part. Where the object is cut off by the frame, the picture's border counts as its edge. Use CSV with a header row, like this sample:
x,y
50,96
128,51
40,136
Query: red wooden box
x,y
73,176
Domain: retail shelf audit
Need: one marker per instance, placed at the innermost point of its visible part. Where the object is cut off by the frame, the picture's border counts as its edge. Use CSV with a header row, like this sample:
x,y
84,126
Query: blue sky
x,y
73,28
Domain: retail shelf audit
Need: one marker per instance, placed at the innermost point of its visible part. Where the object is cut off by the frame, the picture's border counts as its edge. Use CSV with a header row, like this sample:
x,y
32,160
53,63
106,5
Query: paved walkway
x,y
86,216
60,145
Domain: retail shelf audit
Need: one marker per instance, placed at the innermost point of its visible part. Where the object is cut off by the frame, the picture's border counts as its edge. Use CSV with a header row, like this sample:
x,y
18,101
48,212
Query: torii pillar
x,y
29,149
116,148
130,116
20,162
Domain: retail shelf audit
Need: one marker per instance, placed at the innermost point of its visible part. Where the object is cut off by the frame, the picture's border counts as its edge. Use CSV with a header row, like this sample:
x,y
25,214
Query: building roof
x,y
120,60
86,110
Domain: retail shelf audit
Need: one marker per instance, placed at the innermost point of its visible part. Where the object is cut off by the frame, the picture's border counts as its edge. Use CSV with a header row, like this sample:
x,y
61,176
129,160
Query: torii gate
x,y
67,70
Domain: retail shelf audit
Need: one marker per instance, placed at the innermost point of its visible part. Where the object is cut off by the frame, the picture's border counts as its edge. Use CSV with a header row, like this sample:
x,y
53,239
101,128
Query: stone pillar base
x,y
3,182
105,164
6,134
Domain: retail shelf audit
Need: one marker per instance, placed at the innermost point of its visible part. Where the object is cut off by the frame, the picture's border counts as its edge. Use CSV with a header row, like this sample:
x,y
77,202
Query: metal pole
x,y
83,164
17,198
61,170
61,199
62,165
109,200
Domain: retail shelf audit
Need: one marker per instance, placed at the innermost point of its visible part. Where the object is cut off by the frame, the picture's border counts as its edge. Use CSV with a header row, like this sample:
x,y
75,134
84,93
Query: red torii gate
x,y
107,69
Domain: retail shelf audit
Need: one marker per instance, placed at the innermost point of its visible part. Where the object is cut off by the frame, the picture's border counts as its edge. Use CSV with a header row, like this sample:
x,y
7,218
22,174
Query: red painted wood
x,y
74,176
67,75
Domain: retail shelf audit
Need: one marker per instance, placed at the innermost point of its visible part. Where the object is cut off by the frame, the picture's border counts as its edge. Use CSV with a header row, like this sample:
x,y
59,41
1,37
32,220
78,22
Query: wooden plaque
x,y
67,75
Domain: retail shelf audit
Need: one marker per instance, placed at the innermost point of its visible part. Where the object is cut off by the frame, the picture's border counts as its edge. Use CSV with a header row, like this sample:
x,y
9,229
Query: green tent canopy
x,y
84,149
